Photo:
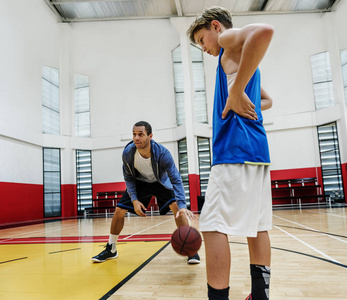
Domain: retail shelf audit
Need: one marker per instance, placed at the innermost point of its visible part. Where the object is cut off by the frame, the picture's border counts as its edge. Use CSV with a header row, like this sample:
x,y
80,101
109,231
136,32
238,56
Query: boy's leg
x,y
260,249
260,260
217,264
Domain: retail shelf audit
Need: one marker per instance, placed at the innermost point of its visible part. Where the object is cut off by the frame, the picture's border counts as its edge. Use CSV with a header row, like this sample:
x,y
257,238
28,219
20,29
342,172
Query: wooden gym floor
x,y
52,260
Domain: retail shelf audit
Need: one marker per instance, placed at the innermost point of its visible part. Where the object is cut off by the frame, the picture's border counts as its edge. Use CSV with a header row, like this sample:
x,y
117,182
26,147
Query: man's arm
x,y
247,47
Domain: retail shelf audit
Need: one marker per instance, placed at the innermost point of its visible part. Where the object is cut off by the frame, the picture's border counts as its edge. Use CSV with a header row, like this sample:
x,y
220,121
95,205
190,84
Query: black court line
x,y
3,262
126,279
316,231
64,250
301,253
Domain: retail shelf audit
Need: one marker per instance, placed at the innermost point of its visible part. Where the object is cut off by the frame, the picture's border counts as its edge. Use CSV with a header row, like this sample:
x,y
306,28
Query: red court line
x,y
85,239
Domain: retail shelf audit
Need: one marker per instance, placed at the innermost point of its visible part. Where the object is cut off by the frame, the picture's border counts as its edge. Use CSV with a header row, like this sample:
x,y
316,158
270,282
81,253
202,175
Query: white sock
x,y
112,240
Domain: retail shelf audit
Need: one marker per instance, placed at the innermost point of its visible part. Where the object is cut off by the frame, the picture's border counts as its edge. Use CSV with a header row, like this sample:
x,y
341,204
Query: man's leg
x,y
116,228
217,264
260,260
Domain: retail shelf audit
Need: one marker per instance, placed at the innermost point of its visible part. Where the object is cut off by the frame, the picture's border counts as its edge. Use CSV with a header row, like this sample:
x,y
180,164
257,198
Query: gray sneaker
x,y
195,259
104,255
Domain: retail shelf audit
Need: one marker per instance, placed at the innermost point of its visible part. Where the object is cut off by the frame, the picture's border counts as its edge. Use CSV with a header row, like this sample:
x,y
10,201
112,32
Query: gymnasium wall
x,y
130,72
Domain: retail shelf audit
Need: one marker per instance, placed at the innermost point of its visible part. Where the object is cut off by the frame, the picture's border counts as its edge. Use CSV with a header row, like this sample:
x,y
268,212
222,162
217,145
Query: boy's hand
x,y
139,208
240,104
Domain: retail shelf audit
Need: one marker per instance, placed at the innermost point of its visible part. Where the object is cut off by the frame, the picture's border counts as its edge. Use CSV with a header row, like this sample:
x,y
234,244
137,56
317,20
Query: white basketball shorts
x,y
238,200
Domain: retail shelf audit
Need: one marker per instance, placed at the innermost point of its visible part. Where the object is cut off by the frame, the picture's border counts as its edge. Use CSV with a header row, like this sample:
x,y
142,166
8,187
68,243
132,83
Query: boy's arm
x,y
266,100
248,46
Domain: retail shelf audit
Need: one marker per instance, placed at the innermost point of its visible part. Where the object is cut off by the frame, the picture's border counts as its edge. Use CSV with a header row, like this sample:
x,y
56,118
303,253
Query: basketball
x,y
186,240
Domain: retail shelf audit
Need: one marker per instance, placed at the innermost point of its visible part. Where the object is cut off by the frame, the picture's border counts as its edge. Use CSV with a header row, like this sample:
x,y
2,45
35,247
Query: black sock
x,y
260,282
214,294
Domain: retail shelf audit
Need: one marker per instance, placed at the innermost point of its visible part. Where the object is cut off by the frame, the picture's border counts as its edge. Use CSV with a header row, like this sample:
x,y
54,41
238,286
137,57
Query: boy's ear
x,y
215,25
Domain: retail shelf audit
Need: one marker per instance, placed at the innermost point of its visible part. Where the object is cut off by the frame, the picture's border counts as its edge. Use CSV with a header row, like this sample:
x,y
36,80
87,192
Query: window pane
x,y
82,106
183,167
200,103
50,101
322,80
179,85
84,179
51,182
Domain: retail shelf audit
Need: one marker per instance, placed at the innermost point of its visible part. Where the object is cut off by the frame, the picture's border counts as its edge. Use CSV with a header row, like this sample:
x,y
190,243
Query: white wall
x,y
131,78
28,35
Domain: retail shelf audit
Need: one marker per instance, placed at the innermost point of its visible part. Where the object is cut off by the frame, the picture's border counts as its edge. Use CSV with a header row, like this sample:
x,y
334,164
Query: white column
x,y
181,25
337,78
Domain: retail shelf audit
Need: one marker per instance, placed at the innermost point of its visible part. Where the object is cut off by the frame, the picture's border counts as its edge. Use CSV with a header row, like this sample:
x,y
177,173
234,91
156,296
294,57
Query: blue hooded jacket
x,y
164,170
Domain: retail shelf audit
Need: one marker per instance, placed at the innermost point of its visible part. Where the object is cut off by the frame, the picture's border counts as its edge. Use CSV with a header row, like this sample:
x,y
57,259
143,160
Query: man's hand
x,y
186,212
139,208
240,104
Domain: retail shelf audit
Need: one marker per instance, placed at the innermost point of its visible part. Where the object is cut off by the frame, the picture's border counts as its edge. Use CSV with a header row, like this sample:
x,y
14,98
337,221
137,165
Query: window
x,y
84,179
344,71
50,101
322,80
179,85
82,108
183,167
51,182
200,105
331,161
204,163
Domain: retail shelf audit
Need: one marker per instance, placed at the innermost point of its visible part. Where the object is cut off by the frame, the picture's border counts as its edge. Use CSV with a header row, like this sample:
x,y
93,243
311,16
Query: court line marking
x,y
309,246
34,232
327,213
299,253
312,229
3,262
132,274
137,233
64,250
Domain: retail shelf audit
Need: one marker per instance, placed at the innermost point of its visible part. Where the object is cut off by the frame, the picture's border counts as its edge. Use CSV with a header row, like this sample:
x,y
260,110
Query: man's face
x,y
140,137
208,41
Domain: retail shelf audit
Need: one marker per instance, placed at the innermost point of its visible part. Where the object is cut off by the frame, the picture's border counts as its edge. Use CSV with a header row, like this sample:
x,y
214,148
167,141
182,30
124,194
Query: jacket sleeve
x,y
129,179
175,179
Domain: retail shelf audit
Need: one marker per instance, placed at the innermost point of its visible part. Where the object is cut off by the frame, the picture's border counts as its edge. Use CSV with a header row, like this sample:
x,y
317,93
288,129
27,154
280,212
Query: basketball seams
x,y
184,240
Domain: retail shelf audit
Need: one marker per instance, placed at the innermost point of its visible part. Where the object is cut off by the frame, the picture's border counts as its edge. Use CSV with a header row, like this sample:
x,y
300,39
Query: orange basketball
x,y
186,240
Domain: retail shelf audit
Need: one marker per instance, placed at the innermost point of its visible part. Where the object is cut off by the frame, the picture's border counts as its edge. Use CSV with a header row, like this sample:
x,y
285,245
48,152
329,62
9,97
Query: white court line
x,y
315,230
327,213
146,229
28,234
309,246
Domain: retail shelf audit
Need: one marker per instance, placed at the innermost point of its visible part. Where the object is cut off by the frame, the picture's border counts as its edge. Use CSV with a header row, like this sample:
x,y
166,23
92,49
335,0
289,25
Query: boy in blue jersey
x,y
149,170
238,197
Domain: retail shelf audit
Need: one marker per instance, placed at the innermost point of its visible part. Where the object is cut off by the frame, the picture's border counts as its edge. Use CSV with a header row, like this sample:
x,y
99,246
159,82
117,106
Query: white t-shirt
x,y
144,166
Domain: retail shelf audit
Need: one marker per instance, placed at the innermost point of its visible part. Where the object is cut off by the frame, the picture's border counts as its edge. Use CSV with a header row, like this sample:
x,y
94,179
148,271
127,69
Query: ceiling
x,y
101,10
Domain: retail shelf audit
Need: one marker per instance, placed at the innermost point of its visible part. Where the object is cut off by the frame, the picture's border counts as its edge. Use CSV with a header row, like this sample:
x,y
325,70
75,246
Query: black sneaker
x,y
106,254
195,259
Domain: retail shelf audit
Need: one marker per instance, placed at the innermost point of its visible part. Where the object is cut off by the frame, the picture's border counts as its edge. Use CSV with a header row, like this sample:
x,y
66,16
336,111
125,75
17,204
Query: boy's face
x,y
140,137
207,39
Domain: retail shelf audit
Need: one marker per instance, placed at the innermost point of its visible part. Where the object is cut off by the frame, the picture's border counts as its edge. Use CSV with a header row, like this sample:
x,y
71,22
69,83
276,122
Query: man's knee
x,y
120,212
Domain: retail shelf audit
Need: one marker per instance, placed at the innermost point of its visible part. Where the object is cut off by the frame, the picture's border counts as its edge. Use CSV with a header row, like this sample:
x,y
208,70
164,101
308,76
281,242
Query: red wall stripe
x,y
68,200
108,187
194,191
20,202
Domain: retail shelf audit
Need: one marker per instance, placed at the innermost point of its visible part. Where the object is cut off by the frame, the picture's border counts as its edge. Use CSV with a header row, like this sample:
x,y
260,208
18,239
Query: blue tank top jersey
x,y
237,139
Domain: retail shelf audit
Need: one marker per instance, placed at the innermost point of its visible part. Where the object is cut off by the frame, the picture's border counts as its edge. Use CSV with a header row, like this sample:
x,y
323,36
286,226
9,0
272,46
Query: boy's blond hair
x,y
204,21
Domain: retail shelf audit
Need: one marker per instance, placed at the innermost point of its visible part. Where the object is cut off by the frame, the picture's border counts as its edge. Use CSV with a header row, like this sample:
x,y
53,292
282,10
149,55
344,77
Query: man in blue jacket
x,y
149,170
